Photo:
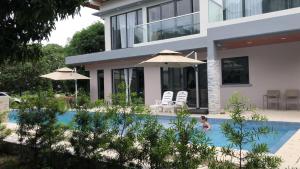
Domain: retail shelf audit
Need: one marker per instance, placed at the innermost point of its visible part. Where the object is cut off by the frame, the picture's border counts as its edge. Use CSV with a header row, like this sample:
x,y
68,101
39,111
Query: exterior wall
x,y
4,103
118,64
272,67
152,85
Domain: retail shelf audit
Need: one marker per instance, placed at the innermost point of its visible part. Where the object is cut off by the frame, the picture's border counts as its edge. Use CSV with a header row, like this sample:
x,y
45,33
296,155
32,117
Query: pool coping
x,y
290,152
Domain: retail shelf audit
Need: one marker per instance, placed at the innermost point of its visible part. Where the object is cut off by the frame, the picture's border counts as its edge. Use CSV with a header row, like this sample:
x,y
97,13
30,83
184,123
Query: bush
x,y
191,146
156,143
90,134
4,132
39,130
238,134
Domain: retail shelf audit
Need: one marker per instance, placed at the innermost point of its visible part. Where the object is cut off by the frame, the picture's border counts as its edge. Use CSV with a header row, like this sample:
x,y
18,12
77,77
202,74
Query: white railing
x,y
183,25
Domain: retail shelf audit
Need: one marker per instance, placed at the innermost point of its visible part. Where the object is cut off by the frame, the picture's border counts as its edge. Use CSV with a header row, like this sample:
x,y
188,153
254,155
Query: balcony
x,y
179,26
220,10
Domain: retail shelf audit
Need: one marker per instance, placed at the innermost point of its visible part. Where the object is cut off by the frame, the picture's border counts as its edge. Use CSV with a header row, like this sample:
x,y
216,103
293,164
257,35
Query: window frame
x,y
247,68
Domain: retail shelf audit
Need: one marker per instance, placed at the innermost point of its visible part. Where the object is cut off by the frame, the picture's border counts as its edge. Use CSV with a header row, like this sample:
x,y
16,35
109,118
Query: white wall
x,y
272,67
4,103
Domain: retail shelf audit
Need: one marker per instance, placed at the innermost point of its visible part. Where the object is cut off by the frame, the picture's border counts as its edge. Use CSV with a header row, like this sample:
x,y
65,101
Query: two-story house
x,y
249,46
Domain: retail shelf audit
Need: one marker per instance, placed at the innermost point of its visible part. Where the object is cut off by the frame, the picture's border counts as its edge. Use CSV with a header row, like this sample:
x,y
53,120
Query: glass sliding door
x,y
233,9
122,29
168,26
118,78
134,78
173,19
253,7
137,82
177,79
154,30
100,75
185,25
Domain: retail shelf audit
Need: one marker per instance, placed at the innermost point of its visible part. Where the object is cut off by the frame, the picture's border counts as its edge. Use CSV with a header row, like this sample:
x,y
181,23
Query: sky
x,y
65,29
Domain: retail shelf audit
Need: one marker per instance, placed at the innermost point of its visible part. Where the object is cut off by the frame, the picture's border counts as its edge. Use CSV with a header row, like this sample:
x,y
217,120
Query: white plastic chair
x,y
166,100
180,102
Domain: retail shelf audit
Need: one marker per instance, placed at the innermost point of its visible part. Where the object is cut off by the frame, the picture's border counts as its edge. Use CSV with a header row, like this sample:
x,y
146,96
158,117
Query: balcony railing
x,y
230,9
183,25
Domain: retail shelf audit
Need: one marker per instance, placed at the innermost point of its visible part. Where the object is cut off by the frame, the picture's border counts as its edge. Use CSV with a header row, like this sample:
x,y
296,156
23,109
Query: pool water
x,y
282,130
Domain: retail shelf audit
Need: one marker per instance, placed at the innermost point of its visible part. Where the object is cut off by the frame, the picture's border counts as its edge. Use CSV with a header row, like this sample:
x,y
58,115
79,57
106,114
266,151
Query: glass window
x,y
131,22
118,78
235,70
233,9
196,5
184,7
168,26
137,80
253,7
100,84
295,3
177,79
154,14
122,29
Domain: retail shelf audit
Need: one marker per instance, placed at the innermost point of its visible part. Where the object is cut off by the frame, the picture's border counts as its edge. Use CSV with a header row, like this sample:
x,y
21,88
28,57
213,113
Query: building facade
x,y
249,46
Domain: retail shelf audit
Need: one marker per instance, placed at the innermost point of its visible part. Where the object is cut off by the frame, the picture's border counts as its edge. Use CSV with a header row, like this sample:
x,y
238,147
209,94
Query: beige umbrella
x,y
66,74
168,58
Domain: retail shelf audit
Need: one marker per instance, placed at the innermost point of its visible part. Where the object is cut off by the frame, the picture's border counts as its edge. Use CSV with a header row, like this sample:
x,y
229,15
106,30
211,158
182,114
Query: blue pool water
x,y
282,130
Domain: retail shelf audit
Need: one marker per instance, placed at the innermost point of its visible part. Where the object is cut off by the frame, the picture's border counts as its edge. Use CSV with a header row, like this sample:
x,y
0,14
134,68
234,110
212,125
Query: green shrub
x,y
38,129
4,132
156,143
90,134
191,146
237,133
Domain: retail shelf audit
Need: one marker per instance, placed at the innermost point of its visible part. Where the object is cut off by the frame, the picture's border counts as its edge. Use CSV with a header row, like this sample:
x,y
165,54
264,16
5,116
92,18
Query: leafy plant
x,y
156,143
4,132
124,119
38,129
90,134
238,133
191,146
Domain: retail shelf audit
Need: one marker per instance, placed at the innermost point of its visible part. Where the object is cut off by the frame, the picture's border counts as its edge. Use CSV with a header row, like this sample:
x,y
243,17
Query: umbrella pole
x,y
197,83
75,70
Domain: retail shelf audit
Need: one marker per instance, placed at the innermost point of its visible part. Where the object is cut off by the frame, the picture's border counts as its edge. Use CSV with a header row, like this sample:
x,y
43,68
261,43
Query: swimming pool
x,y
283,130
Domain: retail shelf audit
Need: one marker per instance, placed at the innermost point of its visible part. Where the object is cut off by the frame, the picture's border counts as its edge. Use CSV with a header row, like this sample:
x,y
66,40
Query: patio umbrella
x,y
66,74
168,58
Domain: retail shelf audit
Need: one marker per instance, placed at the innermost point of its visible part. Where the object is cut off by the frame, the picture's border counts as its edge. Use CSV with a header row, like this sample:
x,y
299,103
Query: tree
x,y
239,134
39,129
191,146
87,40
24,24
16,77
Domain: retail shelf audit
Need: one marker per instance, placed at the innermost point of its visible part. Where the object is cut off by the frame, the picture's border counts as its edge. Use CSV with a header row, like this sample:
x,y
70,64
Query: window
x,y
235,70
174,27
100,84
132,76
122,29
177,79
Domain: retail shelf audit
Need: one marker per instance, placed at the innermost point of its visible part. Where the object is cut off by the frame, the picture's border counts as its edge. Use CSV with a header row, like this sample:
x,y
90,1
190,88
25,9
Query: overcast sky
x,y
65,29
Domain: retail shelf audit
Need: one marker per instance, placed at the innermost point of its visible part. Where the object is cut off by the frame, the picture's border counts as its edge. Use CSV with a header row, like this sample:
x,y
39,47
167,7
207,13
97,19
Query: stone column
x,y
214,79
